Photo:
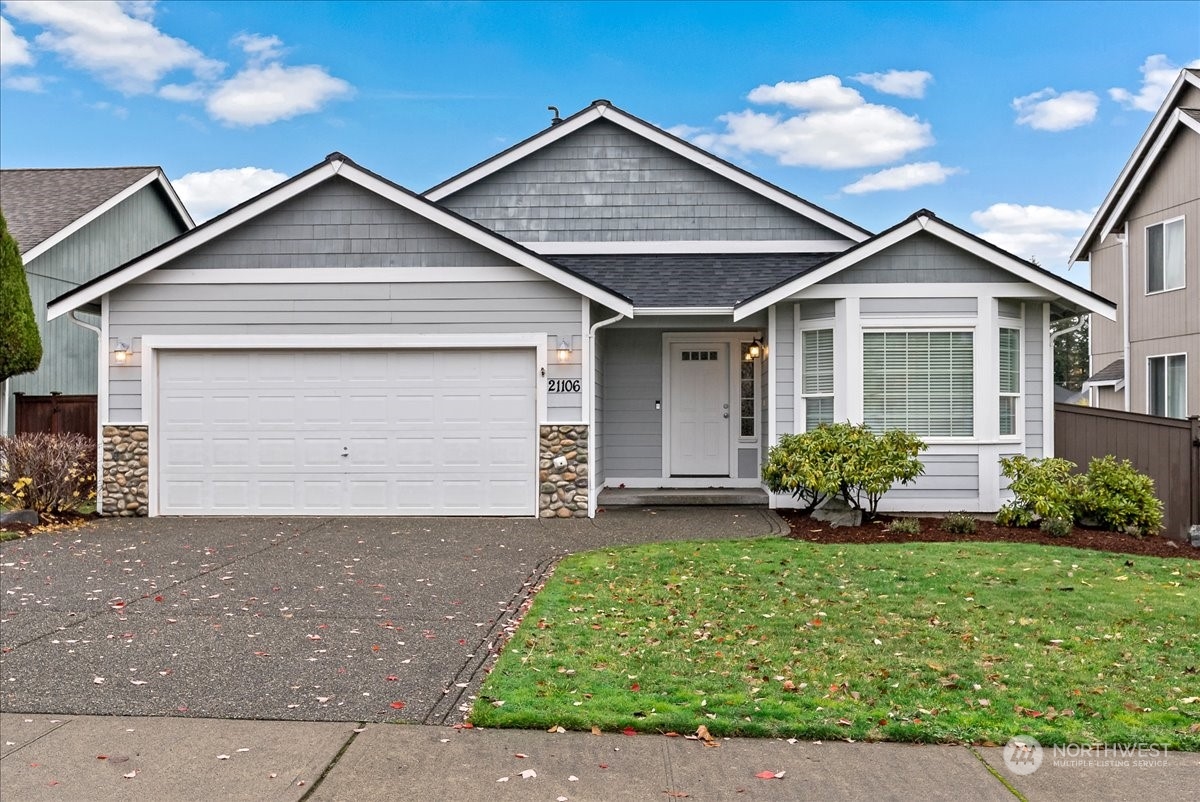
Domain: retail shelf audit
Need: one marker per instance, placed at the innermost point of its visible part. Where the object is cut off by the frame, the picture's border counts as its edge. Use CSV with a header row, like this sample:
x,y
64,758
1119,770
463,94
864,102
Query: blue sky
x,y
1009,119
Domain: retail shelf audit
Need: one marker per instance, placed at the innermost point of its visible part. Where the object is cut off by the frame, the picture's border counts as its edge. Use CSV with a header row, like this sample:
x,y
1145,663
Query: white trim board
x,y
689,246
947,233
335,275
306,181
602,109
154,176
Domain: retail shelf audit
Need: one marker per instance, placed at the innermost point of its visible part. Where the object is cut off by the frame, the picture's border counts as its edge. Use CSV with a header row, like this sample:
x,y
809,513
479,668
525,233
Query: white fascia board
x,y
689,246
547,137
1149,164
173,197
649,311
190,241
1102,213
435,214
82,221
755,185
838,264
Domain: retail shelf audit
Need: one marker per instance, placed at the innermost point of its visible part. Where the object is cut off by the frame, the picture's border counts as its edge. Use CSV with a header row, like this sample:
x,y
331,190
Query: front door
x,y
699,375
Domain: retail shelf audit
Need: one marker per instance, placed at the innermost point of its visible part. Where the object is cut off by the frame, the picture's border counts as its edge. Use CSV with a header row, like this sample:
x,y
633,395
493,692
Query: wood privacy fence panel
x,y
1166,449
56,414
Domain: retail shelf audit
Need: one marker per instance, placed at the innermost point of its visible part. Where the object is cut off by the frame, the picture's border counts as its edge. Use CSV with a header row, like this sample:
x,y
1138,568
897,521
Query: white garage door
x,y
371,432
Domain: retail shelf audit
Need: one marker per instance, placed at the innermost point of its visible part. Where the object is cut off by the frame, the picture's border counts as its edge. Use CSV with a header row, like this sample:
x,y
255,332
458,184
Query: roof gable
x,y
602,141
45,206
336,167
1171,117
925,223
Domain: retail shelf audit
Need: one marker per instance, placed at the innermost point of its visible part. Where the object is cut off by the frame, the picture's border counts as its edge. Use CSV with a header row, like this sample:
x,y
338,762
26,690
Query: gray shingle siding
x,y
339,224
605,184
922,258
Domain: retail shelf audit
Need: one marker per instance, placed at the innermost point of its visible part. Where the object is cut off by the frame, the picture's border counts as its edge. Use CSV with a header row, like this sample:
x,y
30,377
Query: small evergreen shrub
x,y
905,526
960,523
1043,488
844,460
1057,527
47,472
1118,497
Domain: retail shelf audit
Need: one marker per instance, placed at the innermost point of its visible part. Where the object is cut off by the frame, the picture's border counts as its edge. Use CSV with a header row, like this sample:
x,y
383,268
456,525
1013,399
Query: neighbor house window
x,y
816,383
1164,256
1168,385
1010,379
919,381
749,365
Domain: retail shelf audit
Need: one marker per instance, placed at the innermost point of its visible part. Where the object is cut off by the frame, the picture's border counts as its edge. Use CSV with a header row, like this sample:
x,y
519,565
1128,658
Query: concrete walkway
x,y
124,758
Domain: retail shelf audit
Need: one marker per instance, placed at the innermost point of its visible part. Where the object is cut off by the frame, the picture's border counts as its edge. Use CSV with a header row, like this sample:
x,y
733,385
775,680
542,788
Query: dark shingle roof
x,y
1113,372
710,279
39,203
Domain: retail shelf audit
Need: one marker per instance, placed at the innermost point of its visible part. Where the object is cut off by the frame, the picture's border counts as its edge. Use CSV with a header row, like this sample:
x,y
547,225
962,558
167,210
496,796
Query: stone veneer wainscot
x,y
563,492
125,491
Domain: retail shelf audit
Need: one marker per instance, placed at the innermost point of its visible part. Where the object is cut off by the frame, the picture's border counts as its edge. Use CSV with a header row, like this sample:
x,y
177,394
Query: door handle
x,y
726,414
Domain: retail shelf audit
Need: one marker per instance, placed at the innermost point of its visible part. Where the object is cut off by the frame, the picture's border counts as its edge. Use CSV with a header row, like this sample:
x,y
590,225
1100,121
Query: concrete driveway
x,y
313,619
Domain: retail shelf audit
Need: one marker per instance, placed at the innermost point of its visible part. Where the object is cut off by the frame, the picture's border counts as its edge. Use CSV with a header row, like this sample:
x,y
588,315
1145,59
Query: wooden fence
x,y
56,414
1166,449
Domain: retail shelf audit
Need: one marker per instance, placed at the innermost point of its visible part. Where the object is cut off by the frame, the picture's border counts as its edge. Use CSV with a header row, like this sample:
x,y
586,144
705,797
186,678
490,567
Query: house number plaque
x,y
562,385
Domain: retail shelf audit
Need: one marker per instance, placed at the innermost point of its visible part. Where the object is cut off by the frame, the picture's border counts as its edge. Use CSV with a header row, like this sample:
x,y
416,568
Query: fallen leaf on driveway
x,y
770,775
556,728
596,730
398,705
528,774
222,757
98,681
521,755
502,780
391,678
137,682
572,779
130,775
630,731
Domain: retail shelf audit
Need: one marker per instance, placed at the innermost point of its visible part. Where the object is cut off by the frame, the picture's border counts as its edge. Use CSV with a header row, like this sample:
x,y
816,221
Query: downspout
x,y
594,434
1125,313
99,440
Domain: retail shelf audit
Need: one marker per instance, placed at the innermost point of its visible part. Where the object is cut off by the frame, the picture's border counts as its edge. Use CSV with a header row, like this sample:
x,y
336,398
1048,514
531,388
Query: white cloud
x,y
902,83
208,194
258,47
826,92
25,83
1044,233
116,42
906,176
1158,74
14,51
1048,110
266,94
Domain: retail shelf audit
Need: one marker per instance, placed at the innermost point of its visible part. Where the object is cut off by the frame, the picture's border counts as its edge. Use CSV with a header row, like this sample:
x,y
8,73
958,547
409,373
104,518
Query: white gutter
x,y
594,433
1124,237
99,440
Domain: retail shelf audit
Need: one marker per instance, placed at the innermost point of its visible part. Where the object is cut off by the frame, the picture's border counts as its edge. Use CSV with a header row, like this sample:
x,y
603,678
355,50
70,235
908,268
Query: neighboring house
x,y
1143,247
601,305
72,225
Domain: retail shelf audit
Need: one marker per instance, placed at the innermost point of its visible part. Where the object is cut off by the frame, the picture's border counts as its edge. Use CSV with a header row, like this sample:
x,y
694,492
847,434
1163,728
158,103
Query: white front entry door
x,y
699,374
356,432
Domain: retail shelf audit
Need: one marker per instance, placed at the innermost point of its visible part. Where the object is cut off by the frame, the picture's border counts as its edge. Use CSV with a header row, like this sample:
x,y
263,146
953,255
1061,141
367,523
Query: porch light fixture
x,y
121,353
564,350
756,350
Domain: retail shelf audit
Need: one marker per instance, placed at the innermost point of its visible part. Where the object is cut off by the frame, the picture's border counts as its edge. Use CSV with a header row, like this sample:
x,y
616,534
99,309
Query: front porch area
x,y
682,497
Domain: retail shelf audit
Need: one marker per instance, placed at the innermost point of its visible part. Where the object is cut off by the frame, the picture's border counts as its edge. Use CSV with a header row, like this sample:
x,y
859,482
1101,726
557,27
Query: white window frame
x,y
816,324
975,435
1019,395
1146,245
1167,386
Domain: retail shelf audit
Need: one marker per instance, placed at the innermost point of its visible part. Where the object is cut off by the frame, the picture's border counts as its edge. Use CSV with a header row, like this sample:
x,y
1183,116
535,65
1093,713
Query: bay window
x,y
816,381
919,381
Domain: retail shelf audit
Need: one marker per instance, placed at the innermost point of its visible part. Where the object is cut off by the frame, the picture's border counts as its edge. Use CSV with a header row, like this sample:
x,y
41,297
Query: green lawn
x,y
923,642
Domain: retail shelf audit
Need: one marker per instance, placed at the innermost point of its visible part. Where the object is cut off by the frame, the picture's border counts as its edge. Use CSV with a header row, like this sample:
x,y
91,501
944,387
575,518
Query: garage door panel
x,y
423,432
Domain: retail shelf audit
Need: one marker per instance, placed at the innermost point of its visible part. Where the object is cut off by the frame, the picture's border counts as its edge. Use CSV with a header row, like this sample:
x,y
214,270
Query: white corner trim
x,y
78,223
1047,384
690,246
772,433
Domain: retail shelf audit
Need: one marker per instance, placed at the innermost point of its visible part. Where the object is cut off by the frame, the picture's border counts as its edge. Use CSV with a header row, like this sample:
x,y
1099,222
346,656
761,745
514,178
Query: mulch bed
x,y
805,528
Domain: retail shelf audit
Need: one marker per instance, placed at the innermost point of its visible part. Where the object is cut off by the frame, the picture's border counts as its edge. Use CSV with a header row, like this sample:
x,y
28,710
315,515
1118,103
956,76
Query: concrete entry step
x,y
682,497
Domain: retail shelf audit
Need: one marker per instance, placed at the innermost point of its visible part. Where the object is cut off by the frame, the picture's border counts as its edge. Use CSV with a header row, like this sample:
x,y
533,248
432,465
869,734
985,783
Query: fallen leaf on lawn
x,y
635,687
1187,700
528,774
398,705
845,722
630,731
596,730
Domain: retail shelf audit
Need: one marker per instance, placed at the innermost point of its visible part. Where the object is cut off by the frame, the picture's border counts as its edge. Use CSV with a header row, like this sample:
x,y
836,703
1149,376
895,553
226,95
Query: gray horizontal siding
x,y
949,476
339,224
536,305
631,427
605,184
1033,351
922,258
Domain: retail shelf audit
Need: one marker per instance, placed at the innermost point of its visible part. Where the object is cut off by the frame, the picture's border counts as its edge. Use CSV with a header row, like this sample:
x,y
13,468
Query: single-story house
x,y
601,305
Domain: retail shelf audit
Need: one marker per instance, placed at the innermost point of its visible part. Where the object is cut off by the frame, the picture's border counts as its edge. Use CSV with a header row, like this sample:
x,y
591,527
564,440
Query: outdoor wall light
x,y
756,349
121,353
564,350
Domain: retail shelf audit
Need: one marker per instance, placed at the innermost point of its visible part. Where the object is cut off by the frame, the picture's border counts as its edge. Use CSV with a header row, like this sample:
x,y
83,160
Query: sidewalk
x,y
59,757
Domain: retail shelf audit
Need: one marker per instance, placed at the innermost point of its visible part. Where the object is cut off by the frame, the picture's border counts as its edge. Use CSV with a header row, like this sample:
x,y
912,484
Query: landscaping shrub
x,y
905,526
1057,527
960,523
1043,488
1117,496
845,460
47,472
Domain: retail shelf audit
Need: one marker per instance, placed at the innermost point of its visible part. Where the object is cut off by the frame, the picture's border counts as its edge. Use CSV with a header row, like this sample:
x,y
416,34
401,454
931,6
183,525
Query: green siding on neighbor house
x,y
141,222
